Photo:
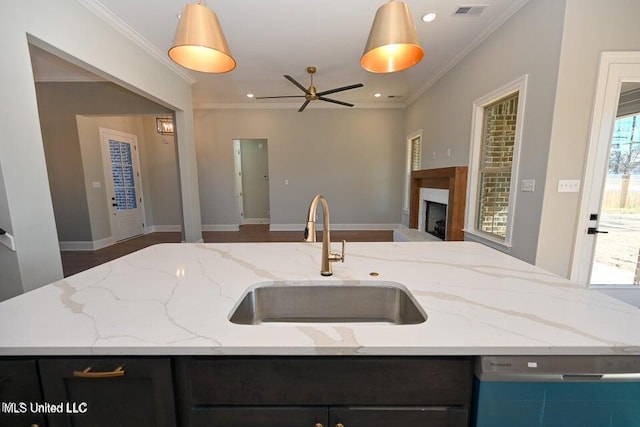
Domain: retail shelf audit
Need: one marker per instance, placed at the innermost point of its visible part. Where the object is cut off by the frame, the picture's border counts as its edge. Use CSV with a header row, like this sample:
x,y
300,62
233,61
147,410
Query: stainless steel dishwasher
x,y
567,391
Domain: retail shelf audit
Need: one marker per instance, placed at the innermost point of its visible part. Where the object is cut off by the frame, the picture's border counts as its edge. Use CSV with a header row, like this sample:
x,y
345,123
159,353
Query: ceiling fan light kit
x,y
199,43
393,42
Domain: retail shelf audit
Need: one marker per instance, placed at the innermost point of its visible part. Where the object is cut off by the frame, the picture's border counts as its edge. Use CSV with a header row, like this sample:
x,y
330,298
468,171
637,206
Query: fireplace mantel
x,y
453,179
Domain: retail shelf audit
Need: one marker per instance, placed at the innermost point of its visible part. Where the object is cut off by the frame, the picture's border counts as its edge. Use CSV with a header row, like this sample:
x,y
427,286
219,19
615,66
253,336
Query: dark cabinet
x,y
431,416
19,389
352,391
109,392
258,416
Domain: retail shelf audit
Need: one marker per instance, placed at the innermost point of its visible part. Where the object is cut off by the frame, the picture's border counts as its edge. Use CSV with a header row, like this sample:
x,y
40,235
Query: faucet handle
x,y
338,257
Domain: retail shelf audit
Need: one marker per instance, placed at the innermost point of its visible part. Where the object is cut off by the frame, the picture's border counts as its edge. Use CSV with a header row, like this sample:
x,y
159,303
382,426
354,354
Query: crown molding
x,y
455,59
123,28
289,106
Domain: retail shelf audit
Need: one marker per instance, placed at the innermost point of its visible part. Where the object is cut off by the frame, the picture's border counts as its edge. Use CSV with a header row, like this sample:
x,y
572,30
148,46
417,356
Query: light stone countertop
x,y
175,299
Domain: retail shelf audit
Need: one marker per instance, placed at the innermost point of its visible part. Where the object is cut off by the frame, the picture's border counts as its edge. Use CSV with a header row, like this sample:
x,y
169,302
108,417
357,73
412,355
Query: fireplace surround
x,y
453,179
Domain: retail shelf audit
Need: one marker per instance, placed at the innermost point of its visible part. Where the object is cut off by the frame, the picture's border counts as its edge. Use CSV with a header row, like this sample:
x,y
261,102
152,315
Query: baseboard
x,y
220,227
256,221
91,245
342,227
162,229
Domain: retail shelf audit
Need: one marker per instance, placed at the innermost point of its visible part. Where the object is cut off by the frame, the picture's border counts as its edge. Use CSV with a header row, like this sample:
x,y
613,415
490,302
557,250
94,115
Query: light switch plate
x,y
569,186
528,185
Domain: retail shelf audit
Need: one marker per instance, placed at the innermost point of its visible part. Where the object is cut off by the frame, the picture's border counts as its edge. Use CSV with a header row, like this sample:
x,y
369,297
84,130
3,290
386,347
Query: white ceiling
x,y
271,38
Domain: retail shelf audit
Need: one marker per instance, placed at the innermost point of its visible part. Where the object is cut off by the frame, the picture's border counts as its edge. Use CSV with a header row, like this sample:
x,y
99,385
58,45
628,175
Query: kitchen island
x,y
175,299
150,335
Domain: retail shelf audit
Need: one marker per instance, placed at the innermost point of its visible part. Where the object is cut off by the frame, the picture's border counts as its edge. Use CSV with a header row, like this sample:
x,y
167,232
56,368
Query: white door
x,y
255,181
608,241
237,163
123,187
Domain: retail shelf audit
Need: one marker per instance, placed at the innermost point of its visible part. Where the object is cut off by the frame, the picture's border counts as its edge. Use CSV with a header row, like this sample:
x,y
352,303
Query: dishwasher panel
x,y
546,391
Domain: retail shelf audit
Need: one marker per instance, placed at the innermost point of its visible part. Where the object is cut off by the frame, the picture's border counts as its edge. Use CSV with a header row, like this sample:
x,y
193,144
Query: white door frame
x,y
106,161
237,164
615,68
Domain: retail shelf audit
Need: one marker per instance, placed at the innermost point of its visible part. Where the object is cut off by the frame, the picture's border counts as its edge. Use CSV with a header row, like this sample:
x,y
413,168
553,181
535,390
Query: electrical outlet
x,y
528,185
569,186
433,155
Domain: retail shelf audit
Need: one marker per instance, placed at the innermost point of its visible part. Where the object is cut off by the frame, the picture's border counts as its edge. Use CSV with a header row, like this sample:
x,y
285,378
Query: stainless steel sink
x,y
328,302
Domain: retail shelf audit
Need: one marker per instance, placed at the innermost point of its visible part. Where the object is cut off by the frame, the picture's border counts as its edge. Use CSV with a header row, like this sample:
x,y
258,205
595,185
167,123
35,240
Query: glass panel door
x,y
122,183
123,177
617,251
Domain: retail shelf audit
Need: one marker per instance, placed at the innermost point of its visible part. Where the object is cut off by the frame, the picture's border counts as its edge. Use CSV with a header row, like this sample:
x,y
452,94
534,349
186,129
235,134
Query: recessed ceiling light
x,y
377,95
428,17
250,95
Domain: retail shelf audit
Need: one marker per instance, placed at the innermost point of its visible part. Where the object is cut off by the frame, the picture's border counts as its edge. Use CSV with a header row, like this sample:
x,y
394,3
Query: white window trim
x,y
407,179
475,151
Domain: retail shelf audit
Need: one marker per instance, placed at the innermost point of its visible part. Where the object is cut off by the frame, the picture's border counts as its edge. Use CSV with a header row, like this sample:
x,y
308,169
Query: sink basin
x,y
328,302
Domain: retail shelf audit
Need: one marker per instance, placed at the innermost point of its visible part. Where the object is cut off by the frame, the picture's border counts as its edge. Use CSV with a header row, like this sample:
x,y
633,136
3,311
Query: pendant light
x,y
393,42
199,43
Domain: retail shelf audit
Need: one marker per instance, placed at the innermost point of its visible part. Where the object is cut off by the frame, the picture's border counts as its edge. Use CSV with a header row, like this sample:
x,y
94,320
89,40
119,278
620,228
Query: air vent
x,y
394,96
469,10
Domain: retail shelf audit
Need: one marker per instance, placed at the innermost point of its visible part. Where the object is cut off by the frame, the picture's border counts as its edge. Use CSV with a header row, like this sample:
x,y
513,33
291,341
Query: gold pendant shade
x,y
393,42
199,43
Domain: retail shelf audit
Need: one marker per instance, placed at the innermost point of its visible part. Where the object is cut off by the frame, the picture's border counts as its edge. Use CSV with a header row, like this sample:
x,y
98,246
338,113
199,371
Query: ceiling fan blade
x,y
292,80
286,96
304,105
346,104
340,89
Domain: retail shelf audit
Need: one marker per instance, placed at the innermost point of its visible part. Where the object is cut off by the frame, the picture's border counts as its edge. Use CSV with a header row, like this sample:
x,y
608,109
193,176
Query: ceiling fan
x,y
311,94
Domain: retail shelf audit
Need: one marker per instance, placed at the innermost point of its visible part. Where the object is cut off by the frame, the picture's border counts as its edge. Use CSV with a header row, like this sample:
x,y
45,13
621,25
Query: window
x,y
497,124
414,153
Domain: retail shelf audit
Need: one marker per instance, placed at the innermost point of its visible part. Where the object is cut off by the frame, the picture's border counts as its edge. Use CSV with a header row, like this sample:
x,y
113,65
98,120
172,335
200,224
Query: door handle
x,y
114,204
86,373
594,230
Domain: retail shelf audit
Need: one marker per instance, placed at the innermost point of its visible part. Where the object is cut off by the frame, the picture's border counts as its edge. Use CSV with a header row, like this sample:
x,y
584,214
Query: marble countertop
x,y
175,299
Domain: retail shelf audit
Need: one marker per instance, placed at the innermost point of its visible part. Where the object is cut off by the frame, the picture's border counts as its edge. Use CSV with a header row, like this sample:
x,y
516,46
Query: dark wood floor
x,y
76,261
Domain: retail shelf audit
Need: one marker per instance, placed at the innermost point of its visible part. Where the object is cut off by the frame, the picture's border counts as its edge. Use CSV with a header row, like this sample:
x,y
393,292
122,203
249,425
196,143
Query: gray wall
x,y
355,157
162,175
74,32
255,189
528,43
591,26
80,210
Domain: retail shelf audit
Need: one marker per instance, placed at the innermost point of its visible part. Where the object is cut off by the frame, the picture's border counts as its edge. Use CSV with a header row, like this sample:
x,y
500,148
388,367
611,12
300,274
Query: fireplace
x,y
435,219
452,181
432,213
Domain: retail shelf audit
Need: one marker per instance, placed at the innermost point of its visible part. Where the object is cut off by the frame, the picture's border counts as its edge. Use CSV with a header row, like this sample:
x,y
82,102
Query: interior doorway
x,y
251,162
608,242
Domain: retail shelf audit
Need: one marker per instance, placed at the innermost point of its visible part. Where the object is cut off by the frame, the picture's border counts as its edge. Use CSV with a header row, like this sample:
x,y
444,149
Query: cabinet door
x,y
342,380
19,387
437,416
107,392
259,417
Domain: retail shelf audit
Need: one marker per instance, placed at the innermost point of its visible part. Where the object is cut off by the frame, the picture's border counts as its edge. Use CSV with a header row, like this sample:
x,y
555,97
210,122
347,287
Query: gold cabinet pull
x,y
318,425
339,425
86,373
